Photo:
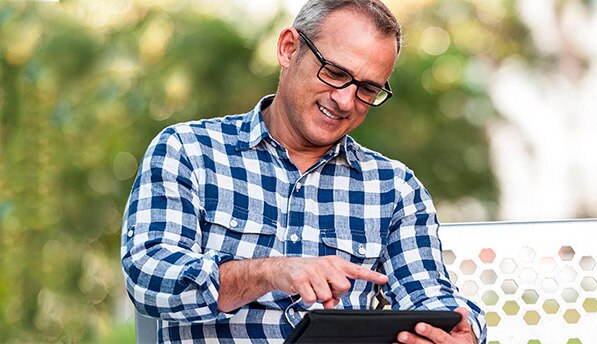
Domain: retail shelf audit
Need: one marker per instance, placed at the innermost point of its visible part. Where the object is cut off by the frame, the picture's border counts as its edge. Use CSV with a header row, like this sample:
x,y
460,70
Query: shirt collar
x,y
351,151
253,131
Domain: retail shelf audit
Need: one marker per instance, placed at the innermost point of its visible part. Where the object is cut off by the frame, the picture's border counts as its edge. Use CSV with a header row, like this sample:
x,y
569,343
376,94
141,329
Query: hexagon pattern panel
x,y
536,281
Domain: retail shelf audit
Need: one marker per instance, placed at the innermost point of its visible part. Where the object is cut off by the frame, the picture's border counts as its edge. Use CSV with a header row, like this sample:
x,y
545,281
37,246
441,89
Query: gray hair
x,y
312,14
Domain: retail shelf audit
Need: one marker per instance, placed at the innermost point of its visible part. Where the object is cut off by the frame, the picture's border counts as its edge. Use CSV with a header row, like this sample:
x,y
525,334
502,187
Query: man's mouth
x,y
329,114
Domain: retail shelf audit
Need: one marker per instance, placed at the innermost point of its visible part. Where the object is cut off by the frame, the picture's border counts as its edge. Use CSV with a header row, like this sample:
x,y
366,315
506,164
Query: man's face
x,y
318,115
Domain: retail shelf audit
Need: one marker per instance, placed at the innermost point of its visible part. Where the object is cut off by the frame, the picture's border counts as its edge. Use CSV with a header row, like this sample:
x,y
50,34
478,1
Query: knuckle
x,y
442,337
329,261
301,278
355,269
325,295
309,298
341,284
334,260
437,335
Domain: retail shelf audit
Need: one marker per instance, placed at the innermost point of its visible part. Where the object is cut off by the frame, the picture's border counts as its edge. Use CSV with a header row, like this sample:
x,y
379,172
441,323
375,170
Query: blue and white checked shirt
x,y
213,190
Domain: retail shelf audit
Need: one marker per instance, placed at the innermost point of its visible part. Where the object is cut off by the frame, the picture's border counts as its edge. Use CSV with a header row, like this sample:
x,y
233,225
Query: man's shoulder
x,y
374,161
222,124
372,157
224,129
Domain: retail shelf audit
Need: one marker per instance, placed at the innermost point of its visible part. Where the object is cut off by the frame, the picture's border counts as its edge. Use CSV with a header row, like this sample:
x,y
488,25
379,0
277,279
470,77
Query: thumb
x,y
463,325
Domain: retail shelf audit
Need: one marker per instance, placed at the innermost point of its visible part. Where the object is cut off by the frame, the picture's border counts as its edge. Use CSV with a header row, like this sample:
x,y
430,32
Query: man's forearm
x,y
325,279
242,282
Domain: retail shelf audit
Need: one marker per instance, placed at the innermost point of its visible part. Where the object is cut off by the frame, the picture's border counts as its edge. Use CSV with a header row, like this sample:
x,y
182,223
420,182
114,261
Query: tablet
x,y
365,326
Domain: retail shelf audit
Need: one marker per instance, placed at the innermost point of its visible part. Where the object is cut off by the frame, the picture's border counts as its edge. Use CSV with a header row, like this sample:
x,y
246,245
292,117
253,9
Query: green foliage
x,y
78,108
436,121
79,105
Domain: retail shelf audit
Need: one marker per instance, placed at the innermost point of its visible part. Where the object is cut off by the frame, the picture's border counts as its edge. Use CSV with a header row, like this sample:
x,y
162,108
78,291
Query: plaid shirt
x,y
219,189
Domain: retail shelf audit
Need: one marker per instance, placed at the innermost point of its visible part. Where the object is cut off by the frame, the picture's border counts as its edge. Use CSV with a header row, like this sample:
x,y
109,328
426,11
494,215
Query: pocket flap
x,y
239,219
355,244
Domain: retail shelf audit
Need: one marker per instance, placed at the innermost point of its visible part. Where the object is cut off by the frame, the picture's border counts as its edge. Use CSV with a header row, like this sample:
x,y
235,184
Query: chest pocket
x,y
236,230
358,247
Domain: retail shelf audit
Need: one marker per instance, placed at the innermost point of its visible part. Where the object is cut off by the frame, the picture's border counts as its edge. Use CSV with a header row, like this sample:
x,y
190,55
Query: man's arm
x,y
324,279
167,274
413,260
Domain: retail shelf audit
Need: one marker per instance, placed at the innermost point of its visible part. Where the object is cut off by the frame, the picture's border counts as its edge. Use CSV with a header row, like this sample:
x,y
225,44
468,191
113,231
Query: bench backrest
x,y
536,281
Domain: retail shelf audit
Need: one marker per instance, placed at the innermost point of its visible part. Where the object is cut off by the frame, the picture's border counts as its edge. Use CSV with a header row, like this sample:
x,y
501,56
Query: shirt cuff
x,y
208,282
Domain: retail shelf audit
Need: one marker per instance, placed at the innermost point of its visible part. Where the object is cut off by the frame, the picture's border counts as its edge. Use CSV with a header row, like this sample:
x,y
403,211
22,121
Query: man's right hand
x,y
324,279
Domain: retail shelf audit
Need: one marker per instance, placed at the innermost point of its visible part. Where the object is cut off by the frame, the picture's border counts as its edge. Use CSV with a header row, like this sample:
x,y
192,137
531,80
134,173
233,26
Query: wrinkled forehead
x,y
353,41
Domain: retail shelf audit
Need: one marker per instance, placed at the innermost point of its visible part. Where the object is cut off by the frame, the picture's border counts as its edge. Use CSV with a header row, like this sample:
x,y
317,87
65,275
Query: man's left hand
x,y
462,333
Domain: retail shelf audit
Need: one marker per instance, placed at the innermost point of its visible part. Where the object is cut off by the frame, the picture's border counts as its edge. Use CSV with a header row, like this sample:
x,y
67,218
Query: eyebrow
x,y
366,81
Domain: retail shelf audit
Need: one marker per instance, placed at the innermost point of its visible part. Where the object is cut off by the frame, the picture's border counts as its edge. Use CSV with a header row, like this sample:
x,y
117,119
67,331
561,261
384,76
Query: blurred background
x,y
494,108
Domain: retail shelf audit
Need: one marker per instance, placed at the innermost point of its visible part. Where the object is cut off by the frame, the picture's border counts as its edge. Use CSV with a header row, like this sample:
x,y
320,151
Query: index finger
x,y
463,325
355,271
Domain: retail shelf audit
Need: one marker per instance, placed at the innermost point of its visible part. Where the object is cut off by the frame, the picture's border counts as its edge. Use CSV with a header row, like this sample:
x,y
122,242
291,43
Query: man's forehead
x,y
350,39
348,24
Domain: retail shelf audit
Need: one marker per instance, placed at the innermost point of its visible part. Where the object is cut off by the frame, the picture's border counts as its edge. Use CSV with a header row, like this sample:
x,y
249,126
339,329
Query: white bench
x,y
537,281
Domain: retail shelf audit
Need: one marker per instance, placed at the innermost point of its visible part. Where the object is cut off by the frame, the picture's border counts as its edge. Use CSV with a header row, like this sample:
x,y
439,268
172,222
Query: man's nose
x,y
345,97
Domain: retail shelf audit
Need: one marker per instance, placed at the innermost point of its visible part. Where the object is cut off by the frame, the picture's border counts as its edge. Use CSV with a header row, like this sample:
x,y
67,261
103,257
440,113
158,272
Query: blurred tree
x,y
85,86
78,107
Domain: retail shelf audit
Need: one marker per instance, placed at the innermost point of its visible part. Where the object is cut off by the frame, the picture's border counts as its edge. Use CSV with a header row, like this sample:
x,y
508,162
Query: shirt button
x,y
130,233
362,249
275,145
298,186
233,223
291,312
294,238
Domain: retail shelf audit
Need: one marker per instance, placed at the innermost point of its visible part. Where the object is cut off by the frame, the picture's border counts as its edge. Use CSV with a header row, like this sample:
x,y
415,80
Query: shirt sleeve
x,y
413,261
167,274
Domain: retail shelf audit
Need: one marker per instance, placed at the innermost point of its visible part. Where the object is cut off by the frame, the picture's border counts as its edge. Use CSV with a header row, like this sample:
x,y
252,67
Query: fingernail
x,y
403,337
422,327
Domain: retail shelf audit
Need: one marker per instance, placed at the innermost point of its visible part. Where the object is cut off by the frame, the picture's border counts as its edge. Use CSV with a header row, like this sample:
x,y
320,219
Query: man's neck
x,y
302,154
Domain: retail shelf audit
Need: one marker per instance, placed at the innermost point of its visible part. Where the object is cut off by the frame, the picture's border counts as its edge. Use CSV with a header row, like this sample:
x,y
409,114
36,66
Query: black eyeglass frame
x,y
386,88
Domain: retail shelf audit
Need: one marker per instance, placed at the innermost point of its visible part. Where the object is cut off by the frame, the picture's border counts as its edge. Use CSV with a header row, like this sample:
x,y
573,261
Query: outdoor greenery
x,y
81,98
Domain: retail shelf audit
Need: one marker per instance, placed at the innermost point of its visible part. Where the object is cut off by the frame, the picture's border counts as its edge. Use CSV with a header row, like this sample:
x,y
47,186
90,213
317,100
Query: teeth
x,y
327,113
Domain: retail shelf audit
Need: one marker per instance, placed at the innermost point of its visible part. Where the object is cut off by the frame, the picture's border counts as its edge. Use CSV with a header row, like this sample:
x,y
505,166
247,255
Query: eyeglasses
x,y
338,78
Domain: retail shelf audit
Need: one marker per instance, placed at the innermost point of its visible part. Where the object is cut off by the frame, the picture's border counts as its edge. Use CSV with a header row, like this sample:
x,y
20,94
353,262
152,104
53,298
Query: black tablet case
x,y
365,326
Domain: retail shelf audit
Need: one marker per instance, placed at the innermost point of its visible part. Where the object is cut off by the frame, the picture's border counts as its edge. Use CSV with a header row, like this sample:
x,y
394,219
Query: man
x,y
238,225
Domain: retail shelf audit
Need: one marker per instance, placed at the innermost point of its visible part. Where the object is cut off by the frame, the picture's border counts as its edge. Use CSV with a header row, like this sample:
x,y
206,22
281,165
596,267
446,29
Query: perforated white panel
x,y
536,281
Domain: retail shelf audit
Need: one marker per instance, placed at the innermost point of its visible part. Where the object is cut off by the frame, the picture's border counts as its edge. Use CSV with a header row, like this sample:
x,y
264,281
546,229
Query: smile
x,y
328,114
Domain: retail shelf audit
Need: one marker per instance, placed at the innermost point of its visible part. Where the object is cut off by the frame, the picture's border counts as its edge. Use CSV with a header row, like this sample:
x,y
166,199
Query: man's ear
x,y
288,46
